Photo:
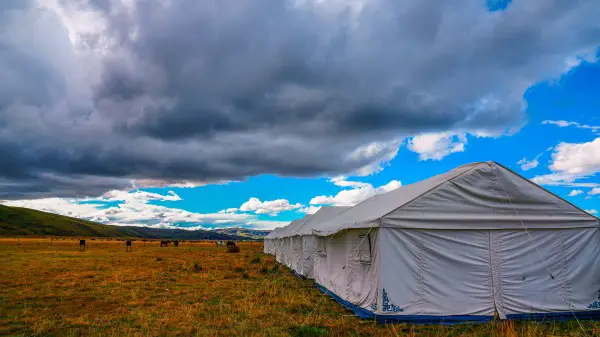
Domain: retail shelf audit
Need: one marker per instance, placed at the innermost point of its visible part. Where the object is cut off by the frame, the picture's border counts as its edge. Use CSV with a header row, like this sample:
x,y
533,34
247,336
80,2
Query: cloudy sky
x,y
228,113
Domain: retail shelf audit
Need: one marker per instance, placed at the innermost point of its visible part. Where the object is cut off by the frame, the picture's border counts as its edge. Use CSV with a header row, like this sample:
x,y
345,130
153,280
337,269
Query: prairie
x,y
49,288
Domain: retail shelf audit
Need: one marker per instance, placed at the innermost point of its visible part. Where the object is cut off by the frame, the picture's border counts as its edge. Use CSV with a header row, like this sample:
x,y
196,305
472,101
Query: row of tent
x,y
471,244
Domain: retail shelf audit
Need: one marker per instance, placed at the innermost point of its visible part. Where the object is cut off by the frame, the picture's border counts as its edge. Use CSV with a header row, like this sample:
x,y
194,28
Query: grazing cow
x,y
82,245
165,243
176,243
128,245
232,247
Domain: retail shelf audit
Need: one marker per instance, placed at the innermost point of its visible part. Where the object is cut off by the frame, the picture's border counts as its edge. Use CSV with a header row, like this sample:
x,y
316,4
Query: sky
x,y
238,113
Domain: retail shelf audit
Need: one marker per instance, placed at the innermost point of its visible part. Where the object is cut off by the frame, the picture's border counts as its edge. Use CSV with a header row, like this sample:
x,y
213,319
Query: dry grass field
x,y
49,288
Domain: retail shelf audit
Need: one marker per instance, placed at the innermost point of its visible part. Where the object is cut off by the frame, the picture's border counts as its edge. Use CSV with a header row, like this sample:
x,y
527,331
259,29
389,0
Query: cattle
x,y
128,245
165,243
82,245
232,247
176,243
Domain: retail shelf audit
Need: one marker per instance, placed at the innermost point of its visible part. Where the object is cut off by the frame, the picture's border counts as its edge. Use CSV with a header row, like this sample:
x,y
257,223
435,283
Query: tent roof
x,y
287,230
483,195
272,234
323,214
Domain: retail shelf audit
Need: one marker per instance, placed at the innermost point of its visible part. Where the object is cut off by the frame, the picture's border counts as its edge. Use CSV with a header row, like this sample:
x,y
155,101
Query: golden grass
x,y
48,287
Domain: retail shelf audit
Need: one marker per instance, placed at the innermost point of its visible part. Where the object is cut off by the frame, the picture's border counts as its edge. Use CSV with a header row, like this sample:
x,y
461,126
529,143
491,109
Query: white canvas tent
x,y
287,248
294,244
477,241
306,240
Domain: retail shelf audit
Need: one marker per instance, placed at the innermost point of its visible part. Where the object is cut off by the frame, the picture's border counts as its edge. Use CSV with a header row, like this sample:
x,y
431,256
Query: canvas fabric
x,y
343,267
475,196
309,254
480,272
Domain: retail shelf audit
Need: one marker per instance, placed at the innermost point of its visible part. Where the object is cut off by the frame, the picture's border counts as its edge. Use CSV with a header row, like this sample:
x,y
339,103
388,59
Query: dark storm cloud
x,y
94,97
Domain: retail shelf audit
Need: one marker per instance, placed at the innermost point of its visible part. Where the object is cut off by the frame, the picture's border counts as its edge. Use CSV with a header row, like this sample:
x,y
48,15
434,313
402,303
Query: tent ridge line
x,y
470,228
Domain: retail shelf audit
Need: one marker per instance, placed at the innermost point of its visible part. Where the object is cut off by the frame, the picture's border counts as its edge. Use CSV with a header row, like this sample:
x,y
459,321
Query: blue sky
x,y
256,115
573,97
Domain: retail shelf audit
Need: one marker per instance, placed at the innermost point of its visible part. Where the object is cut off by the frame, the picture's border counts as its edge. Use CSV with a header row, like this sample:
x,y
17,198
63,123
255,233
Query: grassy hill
x,y
16,221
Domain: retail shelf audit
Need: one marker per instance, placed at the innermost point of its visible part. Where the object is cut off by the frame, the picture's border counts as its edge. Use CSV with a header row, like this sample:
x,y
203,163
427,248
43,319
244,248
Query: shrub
x,y
255,260
245,275
197,267
158,259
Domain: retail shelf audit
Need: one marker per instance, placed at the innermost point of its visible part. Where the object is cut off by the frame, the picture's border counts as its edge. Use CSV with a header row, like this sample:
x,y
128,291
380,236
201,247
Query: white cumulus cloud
x,y
577,158
351,197
435,146
572,162
272,207
529,164
575,193
309,209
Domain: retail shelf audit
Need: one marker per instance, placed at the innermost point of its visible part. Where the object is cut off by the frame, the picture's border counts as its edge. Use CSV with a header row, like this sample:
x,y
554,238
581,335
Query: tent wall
x,y
280,253
440,275
287,250
347,264
435,273
309,254
547,271
296,254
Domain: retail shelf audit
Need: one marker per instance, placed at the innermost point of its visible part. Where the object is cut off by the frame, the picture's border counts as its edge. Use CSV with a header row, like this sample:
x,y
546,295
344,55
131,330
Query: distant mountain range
x,y
16,221
245,232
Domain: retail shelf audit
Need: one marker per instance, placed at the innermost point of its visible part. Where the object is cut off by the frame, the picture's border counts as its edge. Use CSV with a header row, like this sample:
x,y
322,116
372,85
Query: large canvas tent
x,y
287,247
465,245
294,244
302,234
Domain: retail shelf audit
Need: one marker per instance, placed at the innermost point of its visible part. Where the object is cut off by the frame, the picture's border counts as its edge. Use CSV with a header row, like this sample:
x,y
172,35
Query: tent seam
x,y
421,274
491,274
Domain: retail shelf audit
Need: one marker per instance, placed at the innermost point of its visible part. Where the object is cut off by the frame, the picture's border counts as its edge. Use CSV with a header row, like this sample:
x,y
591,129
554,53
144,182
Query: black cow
x,y
82,245
128,245
176,243
230,244
165,243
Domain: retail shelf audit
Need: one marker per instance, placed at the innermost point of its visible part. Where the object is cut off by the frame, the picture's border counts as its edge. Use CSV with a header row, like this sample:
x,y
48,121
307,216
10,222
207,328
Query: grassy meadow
x,y
49,288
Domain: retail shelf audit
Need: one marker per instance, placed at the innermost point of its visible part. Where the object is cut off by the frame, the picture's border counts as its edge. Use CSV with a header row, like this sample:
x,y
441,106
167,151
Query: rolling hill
x,y
16,221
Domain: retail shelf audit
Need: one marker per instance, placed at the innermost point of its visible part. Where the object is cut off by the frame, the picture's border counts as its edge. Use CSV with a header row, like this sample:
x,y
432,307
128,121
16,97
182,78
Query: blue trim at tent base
x,y
298,275
415,319
556,316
